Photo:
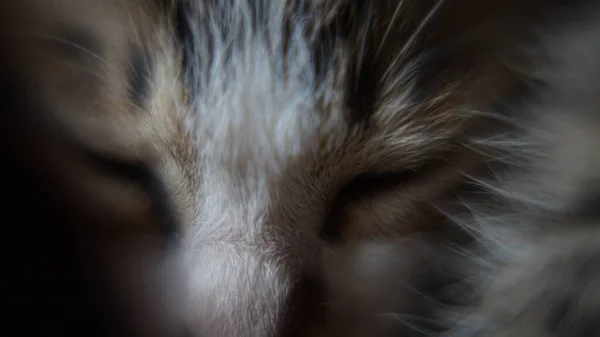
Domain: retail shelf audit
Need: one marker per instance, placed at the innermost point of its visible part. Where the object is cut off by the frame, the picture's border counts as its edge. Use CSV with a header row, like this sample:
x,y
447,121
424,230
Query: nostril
x,y
304,307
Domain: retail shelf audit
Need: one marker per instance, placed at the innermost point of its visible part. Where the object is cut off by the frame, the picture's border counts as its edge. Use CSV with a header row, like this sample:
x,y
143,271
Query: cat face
x,y
286,151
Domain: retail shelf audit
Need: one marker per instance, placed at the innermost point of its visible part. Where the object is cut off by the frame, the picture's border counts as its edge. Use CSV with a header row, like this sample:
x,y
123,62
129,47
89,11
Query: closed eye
x,y
388,204
144,177
363,186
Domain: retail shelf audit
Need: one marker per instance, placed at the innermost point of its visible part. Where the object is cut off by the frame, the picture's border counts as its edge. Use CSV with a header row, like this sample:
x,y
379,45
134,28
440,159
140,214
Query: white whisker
x,y
403,319
365,33
410,41
68,43
86,70
395,17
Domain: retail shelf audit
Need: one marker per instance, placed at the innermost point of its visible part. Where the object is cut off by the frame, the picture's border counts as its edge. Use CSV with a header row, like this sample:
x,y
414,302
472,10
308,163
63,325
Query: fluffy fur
x,y
537,253
325,165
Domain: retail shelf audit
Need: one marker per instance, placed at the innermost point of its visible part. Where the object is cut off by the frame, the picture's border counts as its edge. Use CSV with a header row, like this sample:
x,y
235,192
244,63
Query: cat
x,y
313,168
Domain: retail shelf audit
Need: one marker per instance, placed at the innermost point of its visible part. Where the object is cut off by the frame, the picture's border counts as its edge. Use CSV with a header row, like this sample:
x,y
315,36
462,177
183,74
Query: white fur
x,y
265,182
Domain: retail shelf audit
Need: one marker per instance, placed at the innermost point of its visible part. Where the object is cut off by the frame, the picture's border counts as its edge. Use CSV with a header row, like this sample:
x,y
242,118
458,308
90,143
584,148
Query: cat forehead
x,y
224,86
259,97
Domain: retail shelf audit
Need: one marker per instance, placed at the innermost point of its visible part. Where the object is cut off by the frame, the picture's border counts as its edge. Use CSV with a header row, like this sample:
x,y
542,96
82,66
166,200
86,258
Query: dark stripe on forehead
x,y
187,26
140,76
182,17
183,30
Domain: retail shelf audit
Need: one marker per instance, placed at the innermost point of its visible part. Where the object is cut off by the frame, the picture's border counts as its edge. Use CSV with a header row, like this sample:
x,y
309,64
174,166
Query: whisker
x,y
514,196
68,43
401,318
473,232
498,117
468,254
420,293
410,41
361,53
85,69
389,27
513,155
409,316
